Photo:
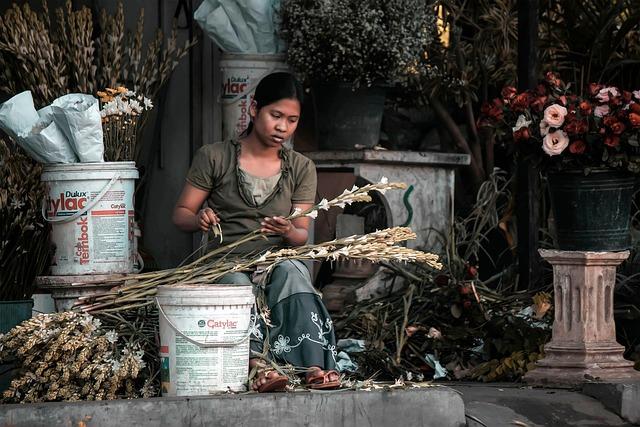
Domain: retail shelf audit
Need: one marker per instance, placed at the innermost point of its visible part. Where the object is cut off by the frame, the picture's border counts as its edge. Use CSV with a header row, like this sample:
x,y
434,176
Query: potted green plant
x,y
349,50
587,147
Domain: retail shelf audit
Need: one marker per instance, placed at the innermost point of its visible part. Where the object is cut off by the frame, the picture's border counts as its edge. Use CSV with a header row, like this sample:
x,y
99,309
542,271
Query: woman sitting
x,y
255,182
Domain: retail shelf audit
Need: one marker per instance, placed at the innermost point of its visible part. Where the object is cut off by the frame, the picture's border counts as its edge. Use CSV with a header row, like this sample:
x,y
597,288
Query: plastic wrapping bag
x,y
78,117
18,115
35,131
46,139
240,26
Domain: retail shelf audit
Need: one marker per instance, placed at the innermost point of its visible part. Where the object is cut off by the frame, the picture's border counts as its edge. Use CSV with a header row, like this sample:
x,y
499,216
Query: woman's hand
x,y
276,225
206,218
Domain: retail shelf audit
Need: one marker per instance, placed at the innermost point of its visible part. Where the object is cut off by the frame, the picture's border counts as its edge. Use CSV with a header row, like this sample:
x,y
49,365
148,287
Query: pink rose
x,y
555,142
554,115
601,110
636,94
605,93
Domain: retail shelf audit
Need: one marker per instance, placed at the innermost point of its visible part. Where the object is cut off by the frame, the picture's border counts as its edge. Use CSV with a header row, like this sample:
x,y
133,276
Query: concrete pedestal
x,y
583,346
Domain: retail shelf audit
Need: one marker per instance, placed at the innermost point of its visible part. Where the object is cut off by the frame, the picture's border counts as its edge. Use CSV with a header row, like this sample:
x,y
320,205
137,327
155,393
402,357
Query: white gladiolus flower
x,y
324,204
148,104
296,211
384,180
312,214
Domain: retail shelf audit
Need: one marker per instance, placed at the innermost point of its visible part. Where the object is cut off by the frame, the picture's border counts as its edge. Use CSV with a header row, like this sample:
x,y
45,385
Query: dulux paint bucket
x,y
91,210
204,338
240,76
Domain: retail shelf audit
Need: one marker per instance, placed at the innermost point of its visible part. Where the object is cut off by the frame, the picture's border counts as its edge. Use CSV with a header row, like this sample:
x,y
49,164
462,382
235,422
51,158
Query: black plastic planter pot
x,y
346,119
592,212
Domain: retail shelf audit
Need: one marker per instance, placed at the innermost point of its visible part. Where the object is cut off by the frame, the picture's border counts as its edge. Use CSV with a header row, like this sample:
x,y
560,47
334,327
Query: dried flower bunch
x,y
24,242
563,131
71,55
69,356
122,112
354,41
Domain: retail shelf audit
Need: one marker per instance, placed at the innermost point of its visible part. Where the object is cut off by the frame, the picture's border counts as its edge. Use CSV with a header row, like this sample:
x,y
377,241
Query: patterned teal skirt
x,y
300,331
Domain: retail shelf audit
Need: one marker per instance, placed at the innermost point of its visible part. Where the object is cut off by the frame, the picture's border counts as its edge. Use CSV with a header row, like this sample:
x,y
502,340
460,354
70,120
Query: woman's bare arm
x,y
188,215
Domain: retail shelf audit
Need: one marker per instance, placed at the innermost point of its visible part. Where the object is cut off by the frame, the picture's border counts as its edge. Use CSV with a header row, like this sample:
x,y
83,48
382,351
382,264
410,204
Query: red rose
x,y
575,127
612,140
594,88
521,102
626,95
635,107
577,147
585,108
521,134
617,128
508,92
609,121
491,111
538,103
552,79
634,118
541,90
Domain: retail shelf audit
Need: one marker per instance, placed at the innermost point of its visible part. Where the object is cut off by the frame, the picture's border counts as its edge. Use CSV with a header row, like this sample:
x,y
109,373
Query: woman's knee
x,y
293,270
236,278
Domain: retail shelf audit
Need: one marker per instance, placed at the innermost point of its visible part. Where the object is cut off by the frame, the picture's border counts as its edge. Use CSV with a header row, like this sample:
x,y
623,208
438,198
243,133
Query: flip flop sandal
x,y
277,383
320,380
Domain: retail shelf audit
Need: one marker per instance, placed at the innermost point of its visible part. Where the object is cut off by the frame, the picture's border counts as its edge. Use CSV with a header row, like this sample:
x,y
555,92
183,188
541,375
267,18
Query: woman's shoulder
x,y
299,160
216,150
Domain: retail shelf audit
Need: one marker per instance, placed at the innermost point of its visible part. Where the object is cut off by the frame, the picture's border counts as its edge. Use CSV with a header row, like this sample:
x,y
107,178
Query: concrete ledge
x,y
418,158
621,398
432,406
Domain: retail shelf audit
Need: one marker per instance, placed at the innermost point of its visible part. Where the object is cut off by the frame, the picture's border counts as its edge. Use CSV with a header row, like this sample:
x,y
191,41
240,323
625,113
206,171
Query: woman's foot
x,y
267,379
318,379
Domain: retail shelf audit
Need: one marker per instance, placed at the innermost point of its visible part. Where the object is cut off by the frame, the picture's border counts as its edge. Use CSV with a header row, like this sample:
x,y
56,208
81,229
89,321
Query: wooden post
x,y
527,181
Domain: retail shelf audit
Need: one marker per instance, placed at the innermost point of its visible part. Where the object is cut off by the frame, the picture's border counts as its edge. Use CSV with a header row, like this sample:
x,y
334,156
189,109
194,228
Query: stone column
x,y
583,345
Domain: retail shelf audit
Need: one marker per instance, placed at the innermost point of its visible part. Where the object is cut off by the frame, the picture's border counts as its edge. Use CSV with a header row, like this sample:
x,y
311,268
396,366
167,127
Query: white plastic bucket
x,y
90,208
204,338
240,76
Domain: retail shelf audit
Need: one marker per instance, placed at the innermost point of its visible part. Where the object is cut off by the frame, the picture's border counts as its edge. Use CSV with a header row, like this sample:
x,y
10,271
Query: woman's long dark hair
x,y
273,88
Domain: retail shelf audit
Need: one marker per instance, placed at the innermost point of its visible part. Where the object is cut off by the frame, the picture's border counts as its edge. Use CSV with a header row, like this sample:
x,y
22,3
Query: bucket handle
x,y
248,89
204,344
84,210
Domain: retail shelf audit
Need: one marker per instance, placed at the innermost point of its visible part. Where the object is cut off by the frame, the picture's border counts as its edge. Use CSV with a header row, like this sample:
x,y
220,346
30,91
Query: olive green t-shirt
x,y
215,169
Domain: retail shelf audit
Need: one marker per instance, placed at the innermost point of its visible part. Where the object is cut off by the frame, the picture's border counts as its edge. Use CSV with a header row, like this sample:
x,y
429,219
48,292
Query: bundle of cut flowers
x,y
559,130
121,112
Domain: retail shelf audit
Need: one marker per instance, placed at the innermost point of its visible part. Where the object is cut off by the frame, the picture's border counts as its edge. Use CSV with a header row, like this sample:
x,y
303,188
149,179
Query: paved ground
x,y
499,405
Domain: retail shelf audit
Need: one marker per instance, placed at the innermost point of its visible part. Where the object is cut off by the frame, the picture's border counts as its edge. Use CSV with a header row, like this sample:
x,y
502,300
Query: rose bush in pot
x,y
588,148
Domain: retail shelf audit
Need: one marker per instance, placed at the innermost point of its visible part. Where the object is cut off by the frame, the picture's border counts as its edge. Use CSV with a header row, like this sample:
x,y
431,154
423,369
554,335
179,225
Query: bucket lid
x,y
202,292
85,171
94,166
